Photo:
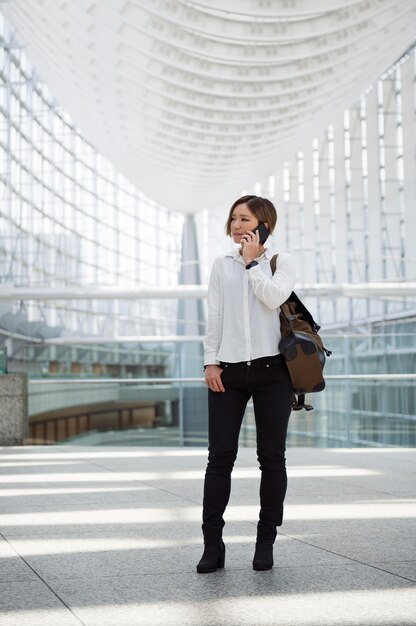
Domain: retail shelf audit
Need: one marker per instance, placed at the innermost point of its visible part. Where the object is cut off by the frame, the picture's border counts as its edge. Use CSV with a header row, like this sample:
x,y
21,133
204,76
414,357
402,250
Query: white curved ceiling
x,y
194,101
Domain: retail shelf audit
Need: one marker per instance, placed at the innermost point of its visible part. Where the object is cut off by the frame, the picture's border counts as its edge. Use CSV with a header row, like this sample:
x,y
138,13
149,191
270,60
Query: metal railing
x,y
337,419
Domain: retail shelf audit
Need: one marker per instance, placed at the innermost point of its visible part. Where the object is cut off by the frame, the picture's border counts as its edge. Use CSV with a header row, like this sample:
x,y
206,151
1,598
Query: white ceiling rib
x,y
194,101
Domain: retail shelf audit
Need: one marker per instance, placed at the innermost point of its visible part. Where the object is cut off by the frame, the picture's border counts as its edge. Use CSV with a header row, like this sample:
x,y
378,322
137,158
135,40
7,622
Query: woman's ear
x,y
266,225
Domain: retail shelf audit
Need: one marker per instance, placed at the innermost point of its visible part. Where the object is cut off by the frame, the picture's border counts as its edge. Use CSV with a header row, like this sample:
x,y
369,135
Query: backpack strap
x,y
299,304
273,262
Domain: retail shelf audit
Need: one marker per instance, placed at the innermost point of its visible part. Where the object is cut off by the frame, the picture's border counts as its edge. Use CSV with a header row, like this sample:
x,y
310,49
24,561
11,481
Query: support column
x,y
190,359
190,312
308,254
14,418
392,211
357,211
375,256
324,219
408,75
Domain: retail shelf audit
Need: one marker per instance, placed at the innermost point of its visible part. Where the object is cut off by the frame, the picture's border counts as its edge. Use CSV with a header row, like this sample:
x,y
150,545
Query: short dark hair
x,y
262,208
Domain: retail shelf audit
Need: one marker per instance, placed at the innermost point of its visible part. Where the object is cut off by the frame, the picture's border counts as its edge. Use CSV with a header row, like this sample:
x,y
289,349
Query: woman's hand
x,y
213,377
251,246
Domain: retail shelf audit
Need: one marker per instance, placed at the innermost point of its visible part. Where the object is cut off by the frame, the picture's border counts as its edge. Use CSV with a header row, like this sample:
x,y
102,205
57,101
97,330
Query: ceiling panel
x,y
194,101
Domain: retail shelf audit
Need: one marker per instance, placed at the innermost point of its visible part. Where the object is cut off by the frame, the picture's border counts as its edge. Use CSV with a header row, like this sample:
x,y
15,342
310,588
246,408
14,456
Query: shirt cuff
x,y
209,359
255,272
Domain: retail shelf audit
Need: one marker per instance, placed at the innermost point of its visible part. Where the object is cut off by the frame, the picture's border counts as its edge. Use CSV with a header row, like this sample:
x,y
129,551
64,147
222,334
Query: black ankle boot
x,y
212,559
263,556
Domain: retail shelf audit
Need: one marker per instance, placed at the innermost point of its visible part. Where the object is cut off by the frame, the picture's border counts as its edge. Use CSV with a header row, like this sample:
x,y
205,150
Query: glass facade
x,y
346,203
68,219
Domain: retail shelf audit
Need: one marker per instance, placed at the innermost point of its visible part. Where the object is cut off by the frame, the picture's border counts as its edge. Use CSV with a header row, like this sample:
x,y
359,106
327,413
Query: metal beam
x,y
121,339
102,293
152,381
180,292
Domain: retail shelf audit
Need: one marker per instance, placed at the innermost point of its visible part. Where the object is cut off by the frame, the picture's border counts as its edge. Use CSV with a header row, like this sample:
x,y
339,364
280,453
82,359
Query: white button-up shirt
x,y
243,307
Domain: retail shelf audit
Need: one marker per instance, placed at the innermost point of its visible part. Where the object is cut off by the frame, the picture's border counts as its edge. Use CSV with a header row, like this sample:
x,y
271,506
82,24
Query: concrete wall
x,y
14,419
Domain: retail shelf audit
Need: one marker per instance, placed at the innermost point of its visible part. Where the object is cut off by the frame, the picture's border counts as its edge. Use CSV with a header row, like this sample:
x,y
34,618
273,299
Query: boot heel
x,y
263,557
212,559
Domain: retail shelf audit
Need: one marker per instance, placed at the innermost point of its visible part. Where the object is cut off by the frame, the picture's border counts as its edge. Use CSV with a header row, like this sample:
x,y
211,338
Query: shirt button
x,y
248,362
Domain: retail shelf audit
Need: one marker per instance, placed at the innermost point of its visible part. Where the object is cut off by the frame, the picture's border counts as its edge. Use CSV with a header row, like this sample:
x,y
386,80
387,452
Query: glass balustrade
x,y
136,394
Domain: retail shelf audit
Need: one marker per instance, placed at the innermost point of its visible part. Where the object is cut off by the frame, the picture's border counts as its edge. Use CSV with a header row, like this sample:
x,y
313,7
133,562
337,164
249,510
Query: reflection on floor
x,y
111,536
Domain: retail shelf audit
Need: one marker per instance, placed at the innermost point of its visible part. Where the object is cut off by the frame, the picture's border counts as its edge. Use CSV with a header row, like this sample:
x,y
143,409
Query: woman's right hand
x,y
213,377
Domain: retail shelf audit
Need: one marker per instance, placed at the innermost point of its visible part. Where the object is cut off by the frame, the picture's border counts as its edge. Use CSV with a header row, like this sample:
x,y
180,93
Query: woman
x,y
241,361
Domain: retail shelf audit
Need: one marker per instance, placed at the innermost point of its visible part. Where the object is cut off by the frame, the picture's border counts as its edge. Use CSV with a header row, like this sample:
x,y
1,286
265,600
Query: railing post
x,y
181,432
347,389
181,424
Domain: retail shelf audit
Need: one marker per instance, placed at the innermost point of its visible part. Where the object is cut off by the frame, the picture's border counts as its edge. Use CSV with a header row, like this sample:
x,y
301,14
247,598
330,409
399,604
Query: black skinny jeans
x,y
267,381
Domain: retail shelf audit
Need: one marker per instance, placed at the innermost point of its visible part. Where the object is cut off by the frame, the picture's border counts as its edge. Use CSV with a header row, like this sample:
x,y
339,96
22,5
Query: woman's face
x,y
242,220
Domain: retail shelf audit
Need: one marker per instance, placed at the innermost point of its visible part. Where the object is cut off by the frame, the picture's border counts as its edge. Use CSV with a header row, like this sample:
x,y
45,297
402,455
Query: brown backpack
x,y
301,347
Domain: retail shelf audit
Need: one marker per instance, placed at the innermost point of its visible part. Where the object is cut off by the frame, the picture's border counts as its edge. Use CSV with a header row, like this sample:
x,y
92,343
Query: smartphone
x,y
263,232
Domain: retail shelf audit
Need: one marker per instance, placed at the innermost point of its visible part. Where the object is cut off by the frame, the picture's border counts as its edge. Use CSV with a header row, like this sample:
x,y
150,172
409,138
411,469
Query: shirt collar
x,y
236,254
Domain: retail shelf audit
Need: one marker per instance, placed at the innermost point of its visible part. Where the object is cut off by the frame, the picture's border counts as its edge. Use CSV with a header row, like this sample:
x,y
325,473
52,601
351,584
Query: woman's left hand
x,y
251,247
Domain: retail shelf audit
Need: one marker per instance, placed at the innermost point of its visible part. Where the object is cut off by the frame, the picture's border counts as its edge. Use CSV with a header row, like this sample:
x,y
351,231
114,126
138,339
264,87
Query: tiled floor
x,y
111,536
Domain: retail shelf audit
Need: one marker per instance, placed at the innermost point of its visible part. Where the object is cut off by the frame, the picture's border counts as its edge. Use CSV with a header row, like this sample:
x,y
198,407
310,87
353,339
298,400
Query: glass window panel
x,y
113,234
